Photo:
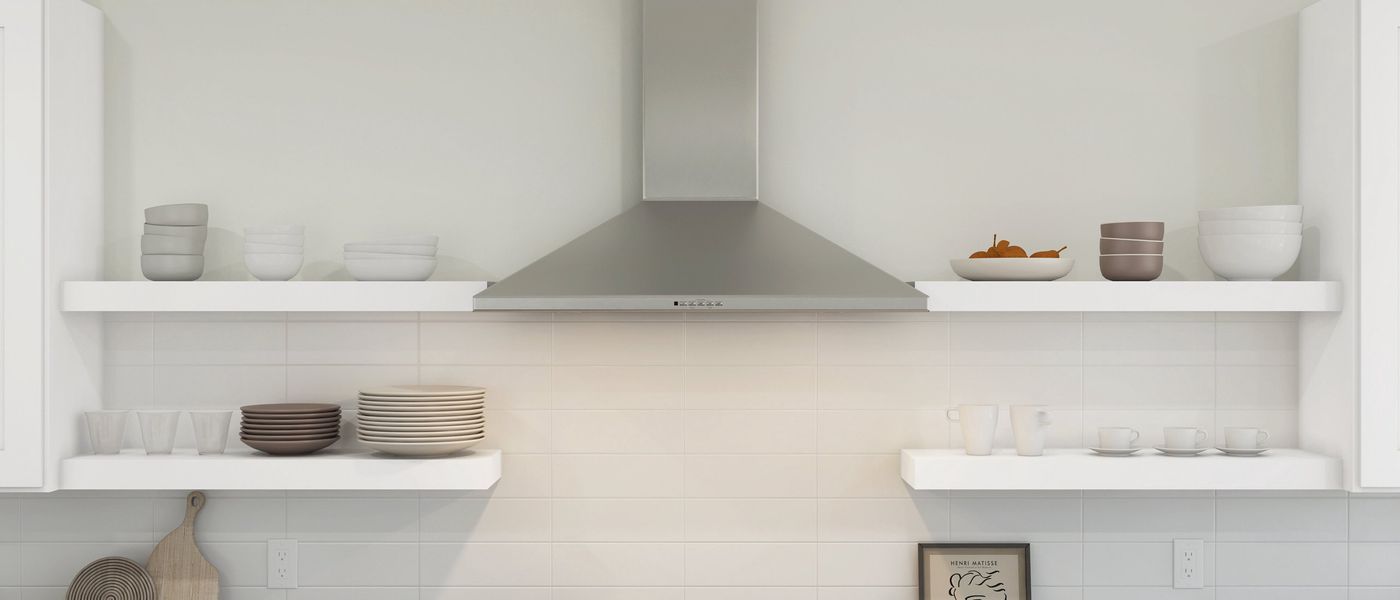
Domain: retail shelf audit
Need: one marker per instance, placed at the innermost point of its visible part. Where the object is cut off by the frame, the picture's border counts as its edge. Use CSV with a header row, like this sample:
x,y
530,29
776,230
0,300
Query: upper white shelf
x,y
1278,469
247,470
1132,296
279,296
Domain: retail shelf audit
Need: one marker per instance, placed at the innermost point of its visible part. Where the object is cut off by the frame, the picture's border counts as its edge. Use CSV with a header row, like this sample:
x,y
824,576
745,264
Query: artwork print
x,y
974,572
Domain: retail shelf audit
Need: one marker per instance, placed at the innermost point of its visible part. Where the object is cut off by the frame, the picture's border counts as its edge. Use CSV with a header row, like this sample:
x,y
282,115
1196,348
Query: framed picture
x,y
974,571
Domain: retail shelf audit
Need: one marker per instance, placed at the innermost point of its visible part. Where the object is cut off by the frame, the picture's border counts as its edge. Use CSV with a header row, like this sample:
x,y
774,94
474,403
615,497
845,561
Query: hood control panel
x,y
698,303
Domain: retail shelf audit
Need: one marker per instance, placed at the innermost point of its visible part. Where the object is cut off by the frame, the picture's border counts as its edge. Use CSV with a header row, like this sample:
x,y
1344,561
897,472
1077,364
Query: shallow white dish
x,y
422,398
266,266
398,269
1249,227
178,214
1180,451
437,437
170,244
379,256
424,429
1243,451
172,267
284,239
1243,257
275,229
456,415
1116,451
255,248
421,448
1012,269
416,419
1275,212
423,390
199,232
408,249
415,240
421,406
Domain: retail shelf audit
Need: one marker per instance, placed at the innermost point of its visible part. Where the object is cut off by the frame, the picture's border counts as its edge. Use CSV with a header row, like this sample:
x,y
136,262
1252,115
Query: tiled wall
x,y
716,457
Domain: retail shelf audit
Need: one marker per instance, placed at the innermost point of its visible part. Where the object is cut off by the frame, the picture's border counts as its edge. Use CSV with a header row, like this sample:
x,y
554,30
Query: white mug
x,y
1028,422
158,429
210,430
1183,438
1117,438
1245,438
979,426
106,430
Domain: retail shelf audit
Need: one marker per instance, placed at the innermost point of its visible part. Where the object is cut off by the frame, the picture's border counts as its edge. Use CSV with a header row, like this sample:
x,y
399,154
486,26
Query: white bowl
x,y
1278,212
250,248
272,267
1012,269
410,249
1247,257
275,229
178,214
199,232
170,244
172,267
383,256
420,240
286,239
397,269
1250,227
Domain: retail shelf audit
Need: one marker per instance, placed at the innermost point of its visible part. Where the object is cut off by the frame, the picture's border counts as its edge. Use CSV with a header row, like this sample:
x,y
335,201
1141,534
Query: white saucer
x,y
1115,451
1243,451
1180,451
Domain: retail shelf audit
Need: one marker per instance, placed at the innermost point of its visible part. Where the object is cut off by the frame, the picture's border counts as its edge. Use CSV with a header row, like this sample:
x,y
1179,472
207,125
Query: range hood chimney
x,y
700,239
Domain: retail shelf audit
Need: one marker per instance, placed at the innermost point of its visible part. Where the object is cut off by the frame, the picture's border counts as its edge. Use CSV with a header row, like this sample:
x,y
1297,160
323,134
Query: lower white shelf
x,y
1133,296
246,470
1078,469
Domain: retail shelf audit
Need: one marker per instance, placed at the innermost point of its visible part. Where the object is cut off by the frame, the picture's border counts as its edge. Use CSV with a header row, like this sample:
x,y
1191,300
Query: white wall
x,y
908,131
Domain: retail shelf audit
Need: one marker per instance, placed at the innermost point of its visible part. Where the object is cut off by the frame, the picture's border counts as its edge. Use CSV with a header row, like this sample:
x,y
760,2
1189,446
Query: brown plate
x,y
289,448
285,433
283,425
287,438
285,408
290,421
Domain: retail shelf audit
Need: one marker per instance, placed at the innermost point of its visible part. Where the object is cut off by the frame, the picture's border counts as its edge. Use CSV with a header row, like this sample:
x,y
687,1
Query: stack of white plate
x,y
422,420
172,245
273,252
401,258
1251,243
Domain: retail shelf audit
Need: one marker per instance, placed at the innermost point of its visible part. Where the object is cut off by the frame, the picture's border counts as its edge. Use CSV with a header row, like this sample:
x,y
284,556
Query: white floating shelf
x,y
1278,469
261,296
246,470
1132,296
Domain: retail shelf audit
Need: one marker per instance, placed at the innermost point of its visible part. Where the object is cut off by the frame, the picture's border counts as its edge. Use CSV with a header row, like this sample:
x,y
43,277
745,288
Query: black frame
x,y
1025,550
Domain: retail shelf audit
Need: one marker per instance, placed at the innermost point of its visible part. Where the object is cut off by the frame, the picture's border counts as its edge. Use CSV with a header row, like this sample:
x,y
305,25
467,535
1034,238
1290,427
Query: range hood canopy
x,y
700,239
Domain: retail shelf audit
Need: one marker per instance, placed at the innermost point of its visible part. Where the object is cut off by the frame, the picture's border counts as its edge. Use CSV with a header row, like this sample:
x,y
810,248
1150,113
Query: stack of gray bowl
x,y
172,248
1131,251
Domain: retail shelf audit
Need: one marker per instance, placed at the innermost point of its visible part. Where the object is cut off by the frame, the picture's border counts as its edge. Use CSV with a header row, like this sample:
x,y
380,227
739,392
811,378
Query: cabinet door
x,y
21,244
1378,261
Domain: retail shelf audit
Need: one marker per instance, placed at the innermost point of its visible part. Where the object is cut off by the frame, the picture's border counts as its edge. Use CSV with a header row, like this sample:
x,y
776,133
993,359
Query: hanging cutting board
x,y
180,571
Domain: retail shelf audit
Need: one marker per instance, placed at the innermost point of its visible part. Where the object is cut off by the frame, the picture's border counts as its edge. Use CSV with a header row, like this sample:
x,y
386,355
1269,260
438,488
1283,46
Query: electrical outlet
x,y
282,564
1188,567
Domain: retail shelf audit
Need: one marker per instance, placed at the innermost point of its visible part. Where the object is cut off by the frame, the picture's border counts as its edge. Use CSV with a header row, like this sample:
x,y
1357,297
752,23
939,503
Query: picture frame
x,y
952,571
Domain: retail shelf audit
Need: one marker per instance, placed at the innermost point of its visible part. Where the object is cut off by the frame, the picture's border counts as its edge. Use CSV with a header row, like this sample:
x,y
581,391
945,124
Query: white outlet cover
x,y
281,564
1188,564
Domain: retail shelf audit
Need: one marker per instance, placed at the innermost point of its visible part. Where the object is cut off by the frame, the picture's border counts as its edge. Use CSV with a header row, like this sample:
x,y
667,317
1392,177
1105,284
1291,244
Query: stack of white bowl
x,y
401,258
273,252
172,245
1251,243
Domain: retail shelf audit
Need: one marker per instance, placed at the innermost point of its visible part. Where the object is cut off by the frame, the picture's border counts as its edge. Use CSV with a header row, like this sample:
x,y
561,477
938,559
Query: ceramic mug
x,y
1245,438
106,430
979,426
1183,438
210,430
1028,422
158,430
1117,438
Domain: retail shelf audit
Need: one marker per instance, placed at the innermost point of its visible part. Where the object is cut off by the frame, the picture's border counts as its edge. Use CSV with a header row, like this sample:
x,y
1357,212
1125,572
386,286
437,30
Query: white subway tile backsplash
x,y
1259,519
1373,564
750,564
1257,343
617,388
1149,343
750,476
886,431
1149,388
443,519
751,520
218,387
357,564
881,387
1148,519
619,432
615,520
483,564
881,520
618,564
353,519
1128,564
751,432
484,343
1256,387
352,343
1016,518
218,343
1374,519
1276,564
750,387
55,564
619,476
619,343
1016,343
852,565
128,343
85,520
882,343
341,384
750,343
1061,387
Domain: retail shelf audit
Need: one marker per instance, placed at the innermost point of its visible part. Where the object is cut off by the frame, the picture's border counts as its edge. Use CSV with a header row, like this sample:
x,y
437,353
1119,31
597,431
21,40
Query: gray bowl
x,y
178,214
172,267
170,244
1131,267
1134,230
1113,246
198,232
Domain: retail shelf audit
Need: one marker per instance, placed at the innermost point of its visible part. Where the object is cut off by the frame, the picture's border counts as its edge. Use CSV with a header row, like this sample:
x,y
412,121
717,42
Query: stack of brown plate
x,y
422,420
289,429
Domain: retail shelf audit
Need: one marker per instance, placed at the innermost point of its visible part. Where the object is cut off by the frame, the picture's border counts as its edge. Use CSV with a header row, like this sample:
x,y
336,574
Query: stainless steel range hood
x,y
700,239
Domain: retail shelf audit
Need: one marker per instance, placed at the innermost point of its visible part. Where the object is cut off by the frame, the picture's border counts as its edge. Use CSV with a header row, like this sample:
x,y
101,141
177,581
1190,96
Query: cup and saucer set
x,y
1183,441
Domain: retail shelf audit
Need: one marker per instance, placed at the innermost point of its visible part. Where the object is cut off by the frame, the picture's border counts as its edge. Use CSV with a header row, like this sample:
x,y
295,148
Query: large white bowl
x,y
1246,257
1250,227
410,249
252,248
286,239
172,267
1276,212
272,267
1012,269
396,269
170,244
384,256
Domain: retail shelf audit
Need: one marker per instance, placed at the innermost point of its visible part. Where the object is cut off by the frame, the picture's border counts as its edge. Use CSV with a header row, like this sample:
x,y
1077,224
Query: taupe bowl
x,y
1117,246
1131,267
178,214
1134,230
172,267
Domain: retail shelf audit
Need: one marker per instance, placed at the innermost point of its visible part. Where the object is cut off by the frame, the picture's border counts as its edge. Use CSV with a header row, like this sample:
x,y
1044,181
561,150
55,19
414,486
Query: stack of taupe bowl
x,y
422,420
291,428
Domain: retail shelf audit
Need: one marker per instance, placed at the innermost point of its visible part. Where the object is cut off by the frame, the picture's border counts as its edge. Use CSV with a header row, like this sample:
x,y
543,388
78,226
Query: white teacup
x,y
979,426
1183,438
1245,438
1117,438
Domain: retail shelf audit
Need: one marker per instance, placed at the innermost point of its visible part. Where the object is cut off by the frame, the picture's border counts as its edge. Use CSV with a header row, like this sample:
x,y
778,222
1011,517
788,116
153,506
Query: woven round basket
x,y
112,578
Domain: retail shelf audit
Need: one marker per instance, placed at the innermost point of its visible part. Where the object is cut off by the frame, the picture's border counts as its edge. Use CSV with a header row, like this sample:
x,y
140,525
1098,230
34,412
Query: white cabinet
x,y
50,228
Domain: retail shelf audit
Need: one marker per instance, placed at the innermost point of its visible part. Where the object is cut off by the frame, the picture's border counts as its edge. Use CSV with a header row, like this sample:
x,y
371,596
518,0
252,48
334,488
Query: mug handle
x,y
1262,437
952,414
1200,436
1044,418
1135,437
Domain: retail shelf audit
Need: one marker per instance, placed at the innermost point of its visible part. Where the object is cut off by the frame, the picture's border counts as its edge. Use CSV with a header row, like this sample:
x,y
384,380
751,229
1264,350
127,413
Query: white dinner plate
x,y
398,391
422,419
420,405
422,440
427,412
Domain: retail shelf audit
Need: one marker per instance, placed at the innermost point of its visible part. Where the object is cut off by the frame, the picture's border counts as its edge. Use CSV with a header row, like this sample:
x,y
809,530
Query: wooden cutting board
x,y
180,571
